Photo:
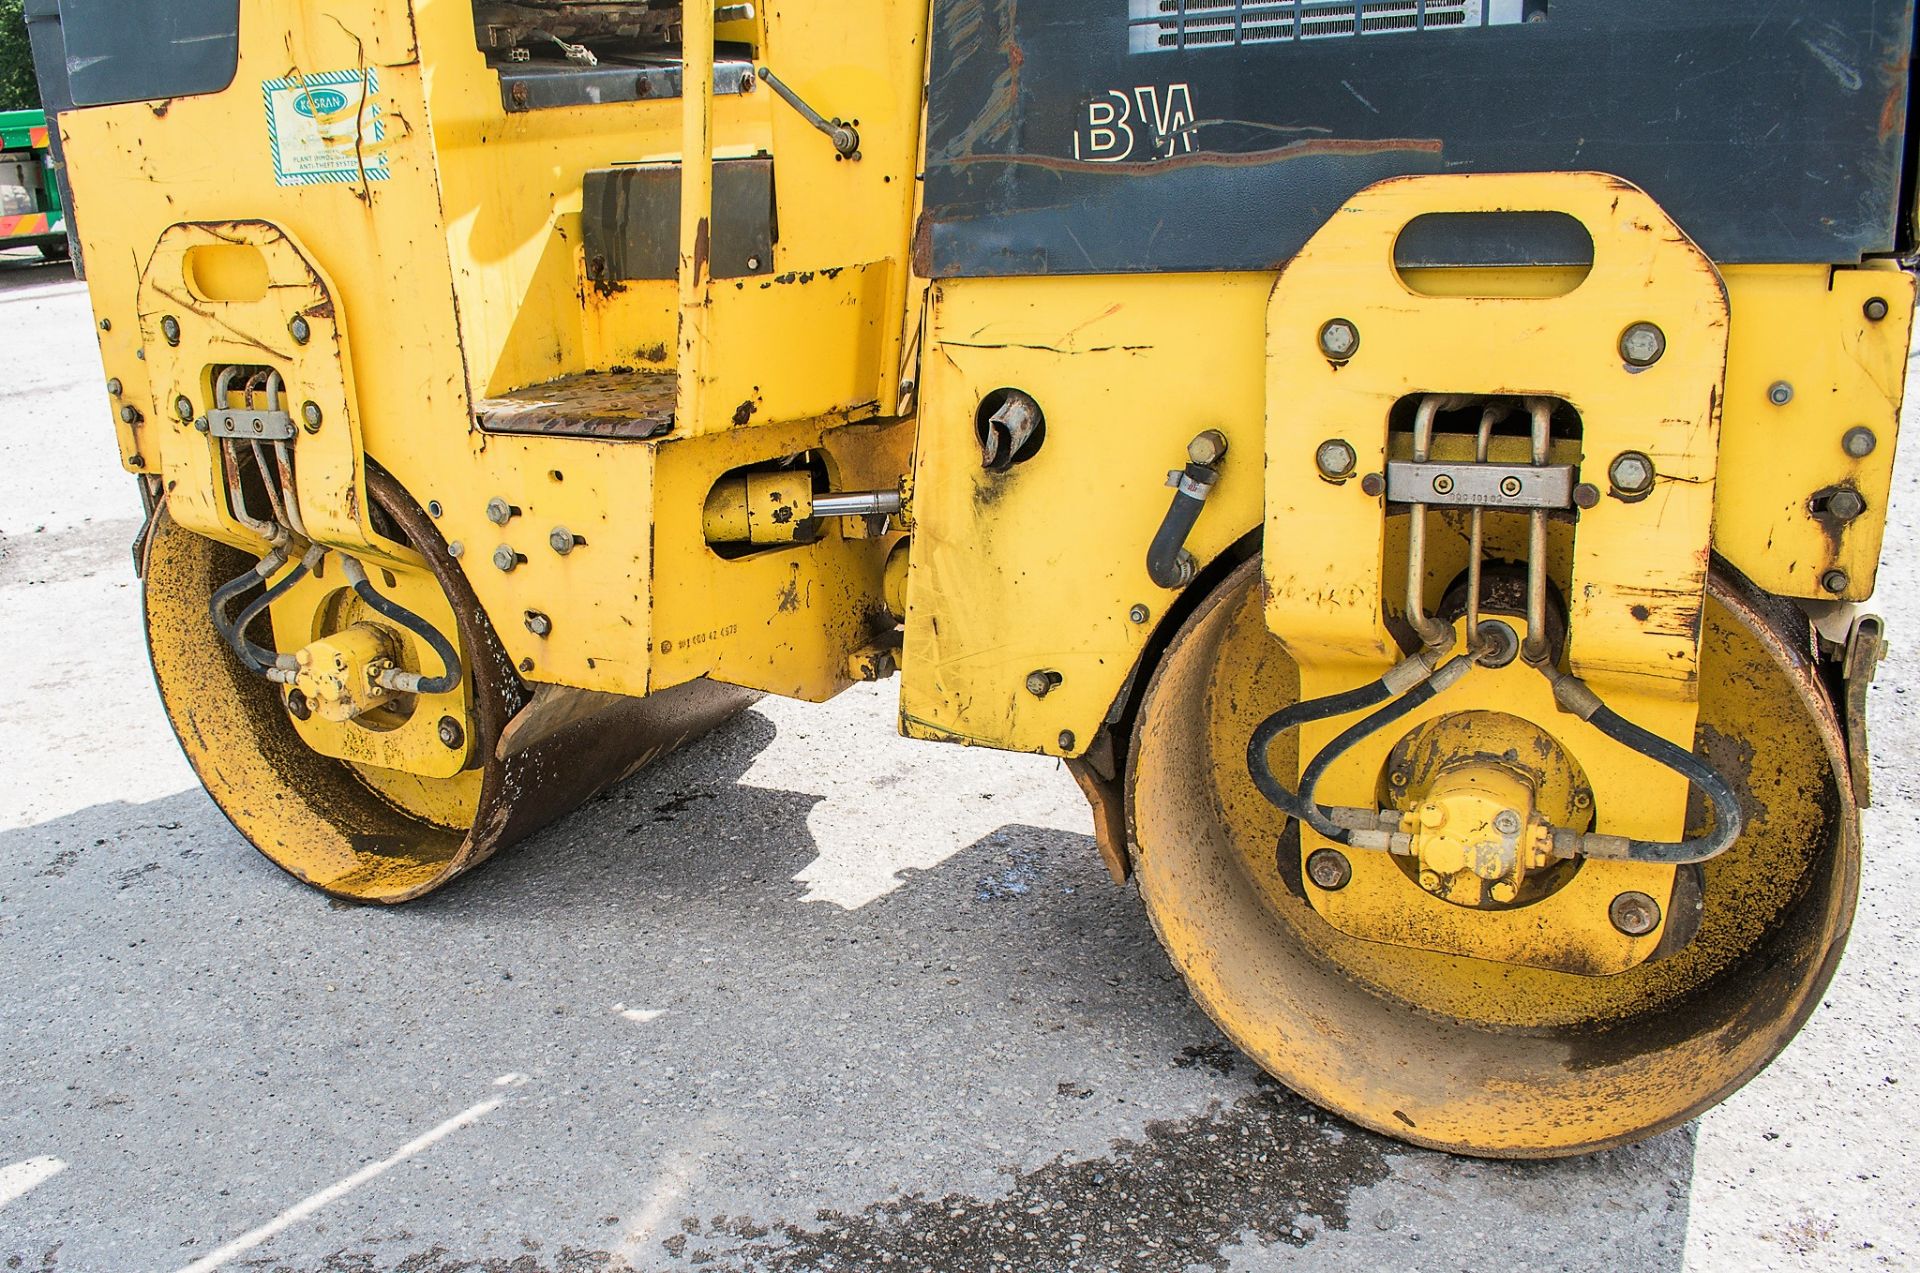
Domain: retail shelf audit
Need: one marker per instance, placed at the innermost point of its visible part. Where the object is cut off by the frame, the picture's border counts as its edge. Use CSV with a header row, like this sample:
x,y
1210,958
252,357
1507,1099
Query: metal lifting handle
x,y
844,136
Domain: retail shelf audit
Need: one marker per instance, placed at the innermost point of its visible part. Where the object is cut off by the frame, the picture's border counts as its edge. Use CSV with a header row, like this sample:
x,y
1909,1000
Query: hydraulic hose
x,y
1575,698
406,682
234,632
1320,819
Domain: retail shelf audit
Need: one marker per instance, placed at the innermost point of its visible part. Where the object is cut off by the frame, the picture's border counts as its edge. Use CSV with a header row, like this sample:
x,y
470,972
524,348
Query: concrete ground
x,y
806,996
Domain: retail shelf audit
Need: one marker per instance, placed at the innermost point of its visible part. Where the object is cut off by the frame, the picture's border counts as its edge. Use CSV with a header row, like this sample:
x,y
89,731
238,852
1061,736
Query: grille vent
x,y
1162,26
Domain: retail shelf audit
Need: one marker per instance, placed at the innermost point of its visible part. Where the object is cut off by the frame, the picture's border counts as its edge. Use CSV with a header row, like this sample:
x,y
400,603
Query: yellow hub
x,y
1477,1055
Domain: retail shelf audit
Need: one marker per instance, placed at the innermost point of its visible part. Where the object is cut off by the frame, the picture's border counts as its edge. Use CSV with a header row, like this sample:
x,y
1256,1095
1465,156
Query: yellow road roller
x,y
1417,462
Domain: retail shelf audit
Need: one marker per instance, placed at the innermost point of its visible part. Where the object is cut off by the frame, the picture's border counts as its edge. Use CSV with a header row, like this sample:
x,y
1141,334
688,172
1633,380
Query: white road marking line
x,y
21,1178
306,1207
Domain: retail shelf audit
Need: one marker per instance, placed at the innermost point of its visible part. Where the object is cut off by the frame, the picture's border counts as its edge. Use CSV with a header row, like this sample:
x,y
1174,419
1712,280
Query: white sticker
x,y
326,128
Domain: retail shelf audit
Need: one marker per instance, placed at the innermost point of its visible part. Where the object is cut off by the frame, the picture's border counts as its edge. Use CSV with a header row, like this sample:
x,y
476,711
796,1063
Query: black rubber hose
x,y
1168,563
260,660
1728,819
442,648
232,632
1290,718
1316,769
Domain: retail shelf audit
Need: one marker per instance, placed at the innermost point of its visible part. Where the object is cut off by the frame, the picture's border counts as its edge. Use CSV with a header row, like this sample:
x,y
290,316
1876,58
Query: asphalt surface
x,y
805,996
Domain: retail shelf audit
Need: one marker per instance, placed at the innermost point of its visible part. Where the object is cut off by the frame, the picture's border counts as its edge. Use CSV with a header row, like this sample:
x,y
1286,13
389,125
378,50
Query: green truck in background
x,y
31,213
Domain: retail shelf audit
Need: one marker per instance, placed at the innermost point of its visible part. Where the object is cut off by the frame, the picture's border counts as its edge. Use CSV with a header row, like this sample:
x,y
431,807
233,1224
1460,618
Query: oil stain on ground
x,y
1267,1169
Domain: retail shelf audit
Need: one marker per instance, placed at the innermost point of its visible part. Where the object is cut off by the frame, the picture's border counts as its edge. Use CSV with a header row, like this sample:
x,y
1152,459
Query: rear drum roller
x,y
1468,1055
374,835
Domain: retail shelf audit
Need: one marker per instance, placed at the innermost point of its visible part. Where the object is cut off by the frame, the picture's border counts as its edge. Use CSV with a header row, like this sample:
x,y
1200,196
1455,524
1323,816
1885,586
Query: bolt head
x,y
1066,740
1373,484
1835,581
1634,914
1586,495
114,386
499,512
203,424
1430,881
1339,339
312,415
1642,345
297,705
1442,484
1335,459
538,624
1876,309
128,415
456,548
183,407
451,735
505,559
1780,393
1139,614
1846,505
299,329
1506,822
170,328
1502,891
1329,869
561,540
1208,448
1859,442
1631,473
1510,487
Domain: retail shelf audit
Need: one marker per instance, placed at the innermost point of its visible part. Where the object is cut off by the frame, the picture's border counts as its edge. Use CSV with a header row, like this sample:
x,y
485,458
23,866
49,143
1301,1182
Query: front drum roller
x,y
1468,1055
382,836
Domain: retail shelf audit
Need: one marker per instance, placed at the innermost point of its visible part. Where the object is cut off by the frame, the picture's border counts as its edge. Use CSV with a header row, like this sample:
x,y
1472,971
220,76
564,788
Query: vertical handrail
x,y
696,211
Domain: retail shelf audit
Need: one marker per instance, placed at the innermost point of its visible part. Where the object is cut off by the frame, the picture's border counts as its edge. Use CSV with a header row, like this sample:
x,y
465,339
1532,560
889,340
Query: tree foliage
x,y
17,88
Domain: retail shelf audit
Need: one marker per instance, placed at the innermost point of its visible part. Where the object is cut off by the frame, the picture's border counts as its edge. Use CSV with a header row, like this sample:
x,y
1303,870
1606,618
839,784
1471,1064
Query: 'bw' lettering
x,y
1115,120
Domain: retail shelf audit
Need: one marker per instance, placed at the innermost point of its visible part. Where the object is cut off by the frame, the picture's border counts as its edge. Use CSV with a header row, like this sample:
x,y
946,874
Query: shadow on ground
x,y
991,1067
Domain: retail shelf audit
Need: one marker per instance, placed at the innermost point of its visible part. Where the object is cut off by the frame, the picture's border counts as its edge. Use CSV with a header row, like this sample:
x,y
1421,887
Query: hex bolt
x,y
1039,684
538,624
1642,345
310,412
1335,459
1430,881
1634,914
1780,393
505,560
1586,495
1583,799
1139,614
1631,473
1859,442
452,737
1208,447
1506,822
170,328
456,549
203,424
1339,338
1835,581
1373,484
499,512
113,386
1066,740
1329,869
183,407
128,415
1442,484
1502,891
1845,505
561,540
297,705
1876,309
1510,486
106,324
300,331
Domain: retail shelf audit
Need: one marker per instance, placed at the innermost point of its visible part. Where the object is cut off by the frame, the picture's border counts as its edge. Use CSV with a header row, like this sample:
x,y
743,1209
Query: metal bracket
x,y
248,425
1865,648
1521,486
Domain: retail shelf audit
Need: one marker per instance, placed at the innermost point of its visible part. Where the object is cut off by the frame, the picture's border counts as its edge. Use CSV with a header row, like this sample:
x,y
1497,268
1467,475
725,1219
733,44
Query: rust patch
x,y
743,413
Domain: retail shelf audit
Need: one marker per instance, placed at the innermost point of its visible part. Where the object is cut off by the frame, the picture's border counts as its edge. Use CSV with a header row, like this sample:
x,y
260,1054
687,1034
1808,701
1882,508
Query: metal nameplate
x,y
1522,486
